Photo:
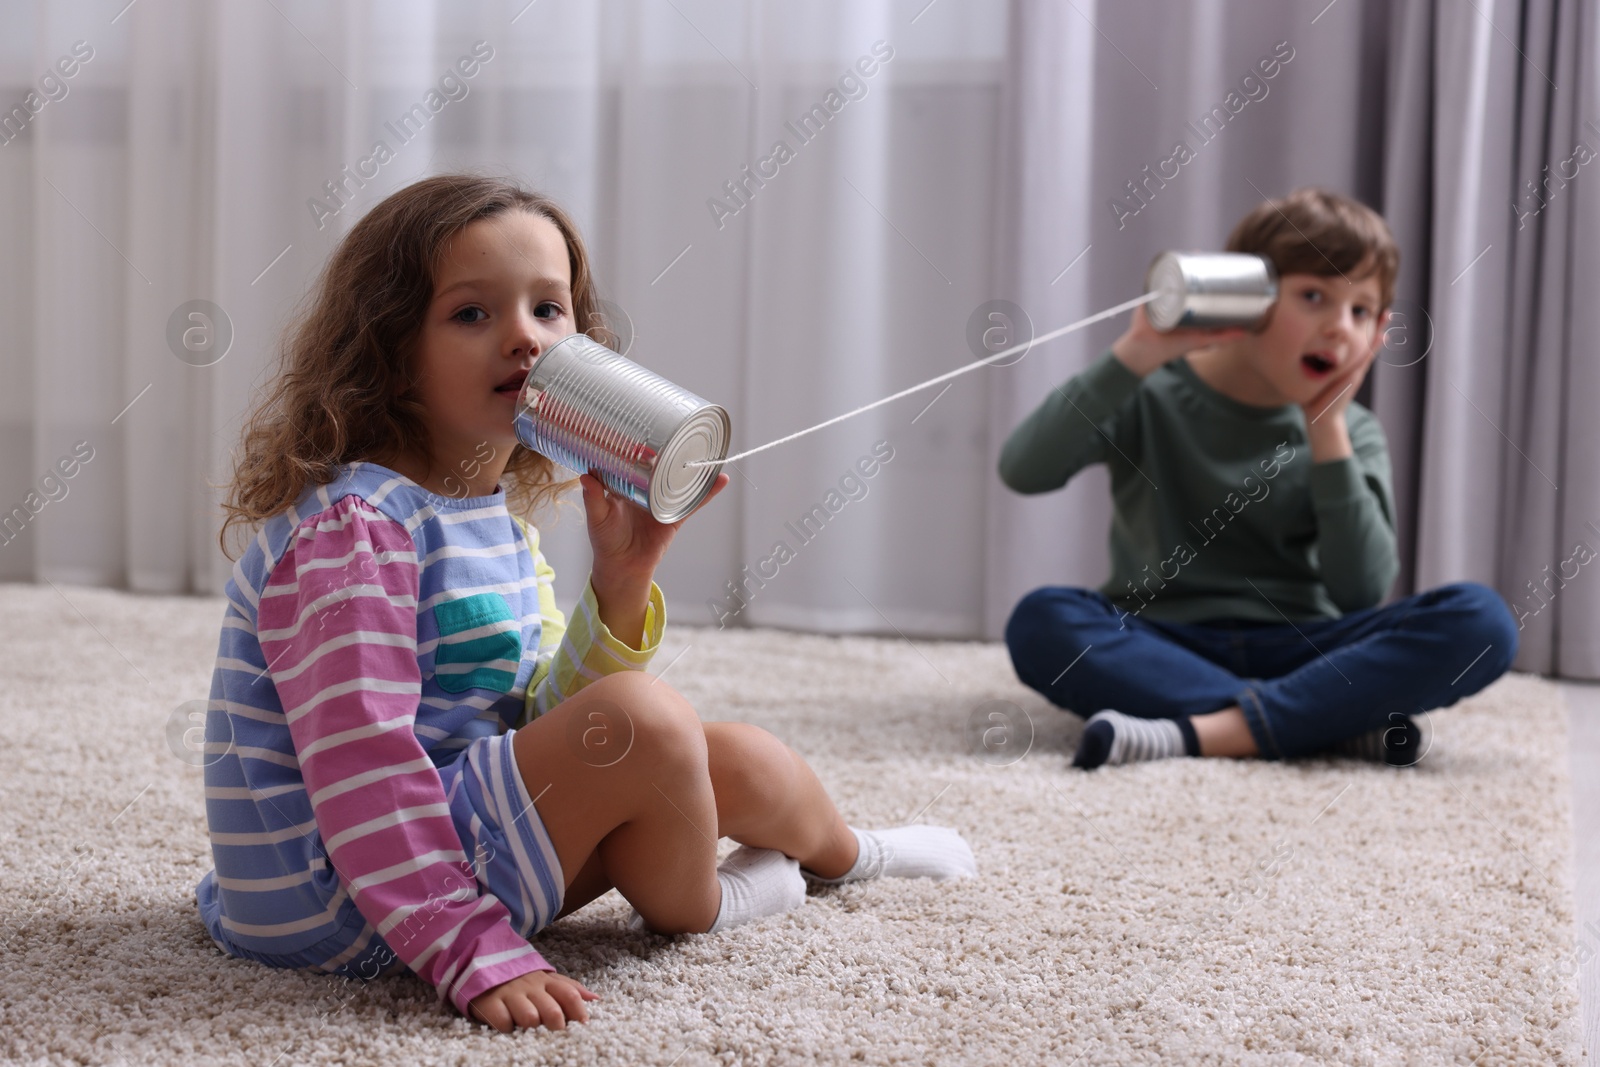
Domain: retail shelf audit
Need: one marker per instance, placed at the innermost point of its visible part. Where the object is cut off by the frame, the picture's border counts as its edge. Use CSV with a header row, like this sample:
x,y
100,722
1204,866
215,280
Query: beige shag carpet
x,y
1183,912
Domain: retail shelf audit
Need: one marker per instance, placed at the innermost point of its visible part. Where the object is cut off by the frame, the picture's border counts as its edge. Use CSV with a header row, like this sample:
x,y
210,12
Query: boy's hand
x,y
1143,348
1324,413
1334,398
530,999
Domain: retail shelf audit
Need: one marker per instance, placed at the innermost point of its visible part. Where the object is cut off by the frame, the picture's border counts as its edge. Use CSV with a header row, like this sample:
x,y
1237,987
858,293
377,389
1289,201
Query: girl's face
x,y
502,295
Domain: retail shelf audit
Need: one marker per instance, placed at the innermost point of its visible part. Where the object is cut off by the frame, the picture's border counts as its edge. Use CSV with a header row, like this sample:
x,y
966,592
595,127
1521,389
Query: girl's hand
x,y
530,999
627,540
1143,348
628,544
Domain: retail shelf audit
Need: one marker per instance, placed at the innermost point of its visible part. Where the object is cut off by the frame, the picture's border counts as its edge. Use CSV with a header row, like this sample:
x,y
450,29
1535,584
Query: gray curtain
x,y
1435,114
1497,453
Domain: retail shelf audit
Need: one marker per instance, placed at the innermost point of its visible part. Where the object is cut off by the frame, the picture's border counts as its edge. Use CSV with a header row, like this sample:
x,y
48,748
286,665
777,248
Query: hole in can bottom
x,y
676,489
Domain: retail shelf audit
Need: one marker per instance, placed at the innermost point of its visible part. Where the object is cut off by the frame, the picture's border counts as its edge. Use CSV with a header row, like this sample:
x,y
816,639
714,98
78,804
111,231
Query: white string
x,y
1052,335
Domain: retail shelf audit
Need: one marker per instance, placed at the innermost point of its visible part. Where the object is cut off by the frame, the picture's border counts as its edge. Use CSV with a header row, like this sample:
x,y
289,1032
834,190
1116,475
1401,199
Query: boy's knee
x,y
1027,617
1481,621
1050,628
1047,611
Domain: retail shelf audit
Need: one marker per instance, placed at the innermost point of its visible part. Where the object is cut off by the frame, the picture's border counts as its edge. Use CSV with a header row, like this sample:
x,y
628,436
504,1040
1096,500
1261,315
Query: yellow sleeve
x,y
572,656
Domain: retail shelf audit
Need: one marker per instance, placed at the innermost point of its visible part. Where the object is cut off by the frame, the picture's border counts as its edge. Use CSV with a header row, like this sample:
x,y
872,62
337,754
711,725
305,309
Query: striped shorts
x,y
505,840
508,849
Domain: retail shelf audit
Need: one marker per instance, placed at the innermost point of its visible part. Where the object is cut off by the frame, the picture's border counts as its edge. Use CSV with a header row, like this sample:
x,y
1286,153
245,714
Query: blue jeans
x,y
1302,686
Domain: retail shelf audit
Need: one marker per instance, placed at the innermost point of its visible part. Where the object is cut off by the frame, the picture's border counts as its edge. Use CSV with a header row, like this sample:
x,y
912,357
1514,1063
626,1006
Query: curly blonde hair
x,y
345,386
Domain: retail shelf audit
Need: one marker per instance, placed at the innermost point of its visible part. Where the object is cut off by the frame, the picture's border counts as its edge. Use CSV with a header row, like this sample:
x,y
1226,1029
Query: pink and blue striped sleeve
x,y
338,627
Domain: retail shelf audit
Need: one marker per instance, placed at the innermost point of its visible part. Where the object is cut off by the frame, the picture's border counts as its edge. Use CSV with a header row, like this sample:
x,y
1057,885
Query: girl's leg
x,y
618,774
766,797
587,887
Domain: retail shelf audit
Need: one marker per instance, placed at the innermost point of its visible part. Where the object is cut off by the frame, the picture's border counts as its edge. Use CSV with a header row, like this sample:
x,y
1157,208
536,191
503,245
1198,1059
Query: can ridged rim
x,y
1165,278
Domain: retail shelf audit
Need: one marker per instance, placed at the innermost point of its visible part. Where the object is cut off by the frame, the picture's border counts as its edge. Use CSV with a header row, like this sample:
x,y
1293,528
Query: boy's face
x,y
501,296
1320,326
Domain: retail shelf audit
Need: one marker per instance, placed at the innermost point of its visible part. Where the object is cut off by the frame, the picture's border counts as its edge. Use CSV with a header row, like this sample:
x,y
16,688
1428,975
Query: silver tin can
x,y
1209,289
590,409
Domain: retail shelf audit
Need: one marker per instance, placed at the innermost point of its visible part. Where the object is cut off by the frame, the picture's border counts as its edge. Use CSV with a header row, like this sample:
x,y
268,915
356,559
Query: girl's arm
x,y
338,626
628,545
569,658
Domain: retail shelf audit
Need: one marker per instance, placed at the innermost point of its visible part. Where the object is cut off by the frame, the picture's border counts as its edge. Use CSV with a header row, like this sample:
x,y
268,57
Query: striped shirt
x,y
373,631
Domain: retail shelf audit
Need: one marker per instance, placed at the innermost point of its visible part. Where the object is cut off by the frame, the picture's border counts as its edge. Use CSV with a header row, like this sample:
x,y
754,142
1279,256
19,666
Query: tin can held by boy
x,y
1209,289
591,409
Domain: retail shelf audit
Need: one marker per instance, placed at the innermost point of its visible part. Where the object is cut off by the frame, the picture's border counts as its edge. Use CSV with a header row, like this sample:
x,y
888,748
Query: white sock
x,y
756,882
915,851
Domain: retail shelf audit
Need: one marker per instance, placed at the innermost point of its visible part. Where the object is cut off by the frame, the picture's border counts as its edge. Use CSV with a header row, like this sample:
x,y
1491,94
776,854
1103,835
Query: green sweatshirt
x,y
1219,511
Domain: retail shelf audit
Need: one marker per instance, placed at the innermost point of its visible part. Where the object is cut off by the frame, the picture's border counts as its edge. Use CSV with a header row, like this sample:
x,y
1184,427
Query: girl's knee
x,y
656,722
748,762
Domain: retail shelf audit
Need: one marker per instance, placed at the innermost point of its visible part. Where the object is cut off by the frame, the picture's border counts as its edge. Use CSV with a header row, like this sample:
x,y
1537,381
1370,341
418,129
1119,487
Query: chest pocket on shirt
x,y
480,644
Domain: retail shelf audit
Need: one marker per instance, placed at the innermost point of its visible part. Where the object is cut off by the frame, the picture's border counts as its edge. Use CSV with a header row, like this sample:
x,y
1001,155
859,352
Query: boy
x,y
1253,530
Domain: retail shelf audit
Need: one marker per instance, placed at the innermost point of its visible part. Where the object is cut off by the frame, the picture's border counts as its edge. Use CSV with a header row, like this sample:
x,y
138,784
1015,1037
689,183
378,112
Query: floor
x,y
1173,912
1583,724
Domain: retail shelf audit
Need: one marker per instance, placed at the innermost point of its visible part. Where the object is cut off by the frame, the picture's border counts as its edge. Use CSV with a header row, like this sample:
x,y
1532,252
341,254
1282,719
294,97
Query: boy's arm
x,y
337,624
1070,430
1076,423
1354,506
570,657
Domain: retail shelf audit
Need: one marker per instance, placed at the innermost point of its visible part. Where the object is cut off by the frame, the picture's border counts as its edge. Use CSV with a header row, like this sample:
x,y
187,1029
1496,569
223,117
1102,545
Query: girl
x,y
417,762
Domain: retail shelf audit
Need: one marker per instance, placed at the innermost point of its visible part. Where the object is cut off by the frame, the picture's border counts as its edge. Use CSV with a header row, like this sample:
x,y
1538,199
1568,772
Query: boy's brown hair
x,y
1313,231
345,387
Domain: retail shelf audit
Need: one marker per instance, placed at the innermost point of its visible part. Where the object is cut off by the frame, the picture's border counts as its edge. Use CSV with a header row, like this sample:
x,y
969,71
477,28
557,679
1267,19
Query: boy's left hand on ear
x,y
626,539
1332,400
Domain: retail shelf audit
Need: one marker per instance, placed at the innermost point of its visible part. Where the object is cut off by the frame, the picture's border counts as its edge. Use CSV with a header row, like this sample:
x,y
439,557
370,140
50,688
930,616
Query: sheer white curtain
x,y
970,151
211,152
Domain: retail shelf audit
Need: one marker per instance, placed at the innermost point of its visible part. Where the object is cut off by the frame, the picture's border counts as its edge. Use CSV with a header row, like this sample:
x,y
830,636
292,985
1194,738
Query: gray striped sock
x,y
1112,737
1364,746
